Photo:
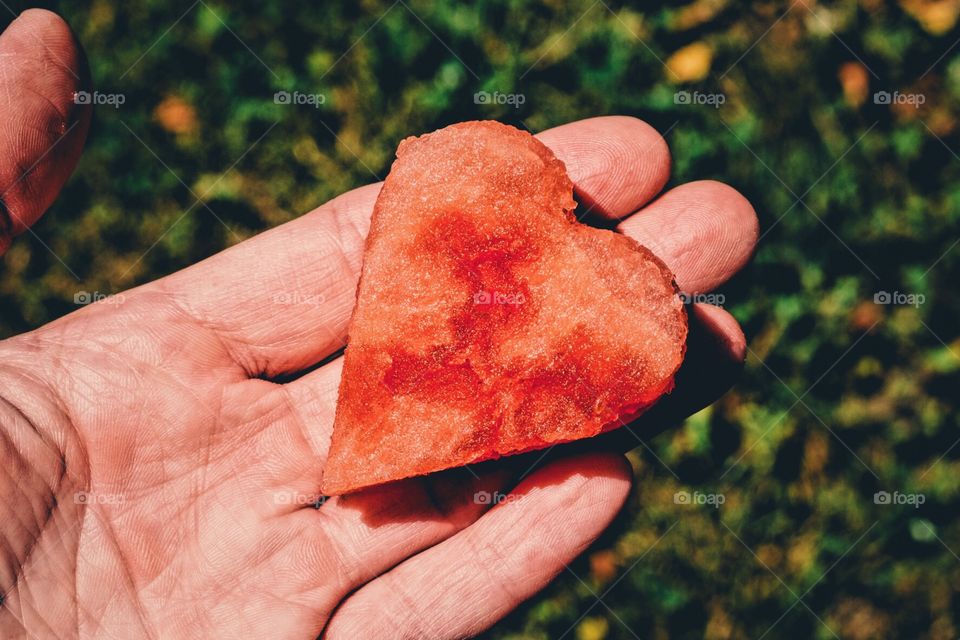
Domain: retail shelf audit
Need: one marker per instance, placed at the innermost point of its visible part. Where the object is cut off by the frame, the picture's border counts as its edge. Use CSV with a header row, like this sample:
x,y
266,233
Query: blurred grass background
x,y
841,398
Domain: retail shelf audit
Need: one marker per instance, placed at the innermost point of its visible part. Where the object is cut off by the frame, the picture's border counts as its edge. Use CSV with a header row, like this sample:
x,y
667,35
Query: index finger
x,y
41,67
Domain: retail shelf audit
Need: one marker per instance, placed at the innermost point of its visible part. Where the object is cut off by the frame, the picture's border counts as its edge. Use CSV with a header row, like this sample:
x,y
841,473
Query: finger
x,y
370,531
41,67
716,348
704,231
466,583
617,163
373,530
281,301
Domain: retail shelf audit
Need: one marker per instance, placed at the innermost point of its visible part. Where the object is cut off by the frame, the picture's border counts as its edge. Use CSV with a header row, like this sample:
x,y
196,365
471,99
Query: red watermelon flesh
x,y
488,320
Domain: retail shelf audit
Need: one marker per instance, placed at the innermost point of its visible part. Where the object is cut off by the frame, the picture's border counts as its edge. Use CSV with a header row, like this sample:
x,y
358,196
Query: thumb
x,y
41,66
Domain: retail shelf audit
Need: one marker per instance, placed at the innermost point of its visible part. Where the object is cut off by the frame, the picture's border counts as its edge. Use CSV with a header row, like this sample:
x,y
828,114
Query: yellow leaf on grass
x,y
176,115
855,82
935,16
593,628
690,64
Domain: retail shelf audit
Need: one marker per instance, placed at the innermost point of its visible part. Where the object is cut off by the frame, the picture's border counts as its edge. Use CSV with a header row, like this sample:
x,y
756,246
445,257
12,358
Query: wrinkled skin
x,y
157,484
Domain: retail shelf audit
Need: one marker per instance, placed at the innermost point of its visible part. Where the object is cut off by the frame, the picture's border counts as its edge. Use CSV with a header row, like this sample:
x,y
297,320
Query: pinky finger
x,y
465,584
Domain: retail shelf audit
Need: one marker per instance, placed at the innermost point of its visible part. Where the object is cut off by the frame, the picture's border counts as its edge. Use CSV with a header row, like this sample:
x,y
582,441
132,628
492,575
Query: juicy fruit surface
x,y
488,321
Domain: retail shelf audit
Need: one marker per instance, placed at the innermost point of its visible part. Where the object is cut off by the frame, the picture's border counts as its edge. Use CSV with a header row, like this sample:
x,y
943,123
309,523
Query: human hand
x,y
168,446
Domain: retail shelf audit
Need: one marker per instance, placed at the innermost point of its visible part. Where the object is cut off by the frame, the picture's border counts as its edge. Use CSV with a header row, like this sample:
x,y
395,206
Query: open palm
x,y
168,447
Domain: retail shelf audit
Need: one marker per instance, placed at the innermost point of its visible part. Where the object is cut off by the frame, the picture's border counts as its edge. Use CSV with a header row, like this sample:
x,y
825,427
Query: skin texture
x,y
155,481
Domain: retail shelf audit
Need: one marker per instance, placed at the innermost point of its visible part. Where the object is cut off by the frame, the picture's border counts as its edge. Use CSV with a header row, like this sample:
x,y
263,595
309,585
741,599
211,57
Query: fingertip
x,y
43,34
617,163
724,328
613,479
42,19
739,210
594,477
43,68
514,550
705,231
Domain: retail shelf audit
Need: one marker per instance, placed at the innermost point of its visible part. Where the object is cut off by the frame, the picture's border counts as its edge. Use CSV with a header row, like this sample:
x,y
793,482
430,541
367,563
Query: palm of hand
x,y
188,492
193,511
183,501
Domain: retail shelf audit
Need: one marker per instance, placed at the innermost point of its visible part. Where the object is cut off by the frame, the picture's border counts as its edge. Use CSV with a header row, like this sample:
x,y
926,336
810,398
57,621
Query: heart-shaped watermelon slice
x,y
488,320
